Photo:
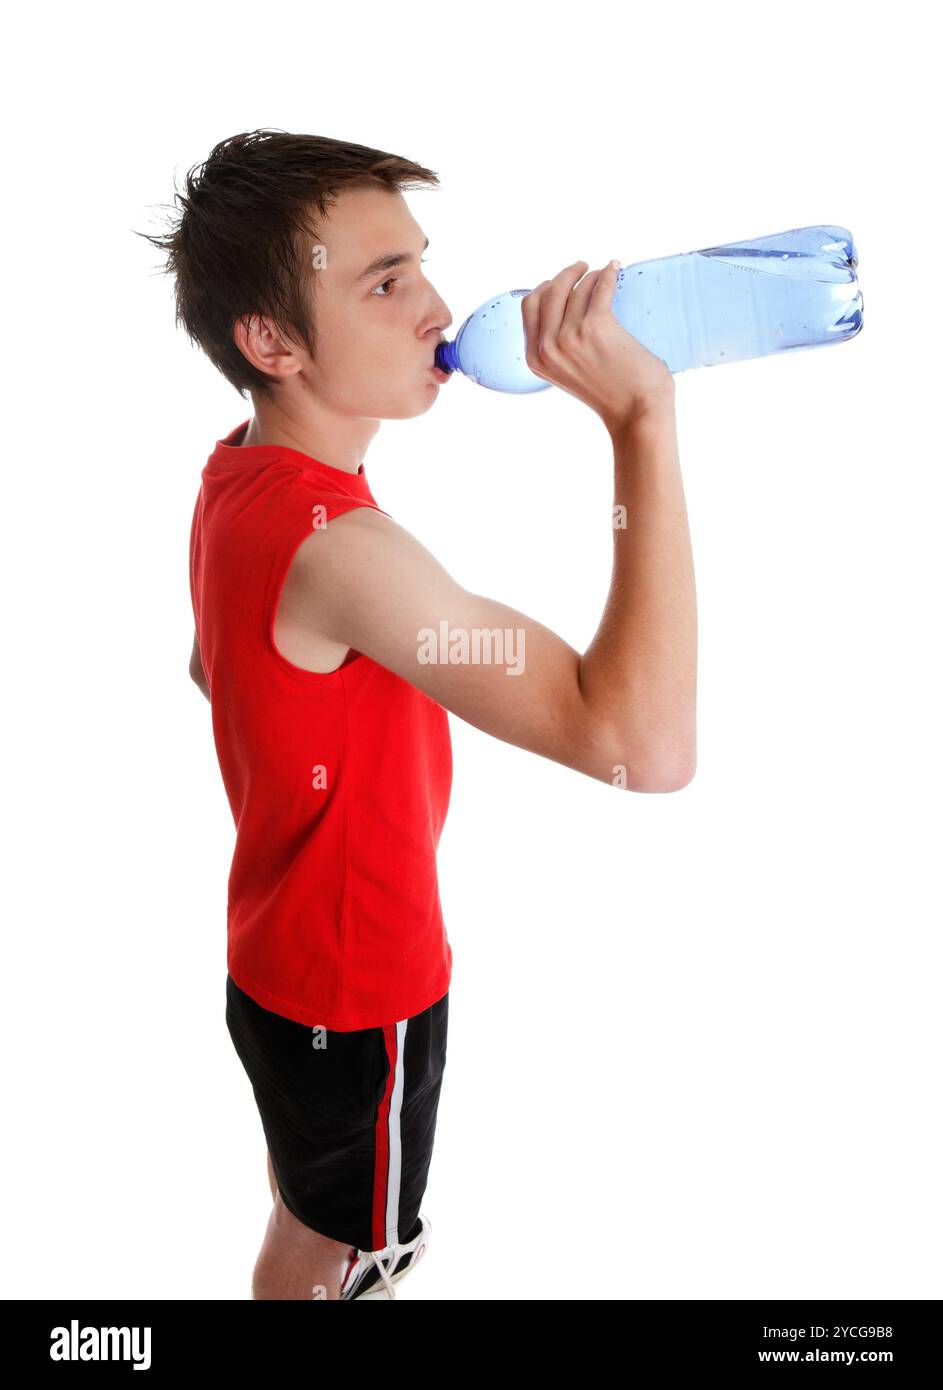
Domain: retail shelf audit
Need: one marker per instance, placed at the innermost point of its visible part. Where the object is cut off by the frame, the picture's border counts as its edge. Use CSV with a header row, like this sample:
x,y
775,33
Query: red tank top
x,y
339,783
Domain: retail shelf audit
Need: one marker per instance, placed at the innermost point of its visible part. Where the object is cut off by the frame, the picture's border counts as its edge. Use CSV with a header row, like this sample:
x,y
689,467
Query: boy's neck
x,y
342,448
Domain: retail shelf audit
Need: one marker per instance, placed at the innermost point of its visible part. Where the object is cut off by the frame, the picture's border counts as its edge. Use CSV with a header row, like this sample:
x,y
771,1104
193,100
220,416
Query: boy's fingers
x,y
579,299
553,299
601,303
537,320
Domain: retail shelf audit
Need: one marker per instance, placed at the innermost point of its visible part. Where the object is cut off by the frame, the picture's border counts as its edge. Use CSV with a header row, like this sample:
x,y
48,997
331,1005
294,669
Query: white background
x,y
694,1045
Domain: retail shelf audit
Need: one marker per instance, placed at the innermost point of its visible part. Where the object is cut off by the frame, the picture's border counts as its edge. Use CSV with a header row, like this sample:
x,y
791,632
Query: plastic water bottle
x,y
796,289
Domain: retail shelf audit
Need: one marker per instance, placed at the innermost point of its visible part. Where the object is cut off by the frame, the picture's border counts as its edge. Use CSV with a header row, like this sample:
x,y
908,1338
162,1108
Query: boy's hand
x,y
575,341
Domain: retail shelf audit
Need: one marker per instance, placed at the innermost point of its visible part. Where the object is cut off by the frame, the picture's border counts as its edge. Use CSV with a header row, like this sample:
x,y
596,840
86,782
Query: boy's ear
x,y
261,344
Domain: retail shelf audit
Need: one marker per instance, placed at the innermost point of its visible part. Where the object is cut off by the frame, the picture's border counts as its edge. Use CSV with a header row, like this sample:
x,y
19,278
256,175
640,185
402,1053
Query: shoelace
x,y
393,1254
384,1273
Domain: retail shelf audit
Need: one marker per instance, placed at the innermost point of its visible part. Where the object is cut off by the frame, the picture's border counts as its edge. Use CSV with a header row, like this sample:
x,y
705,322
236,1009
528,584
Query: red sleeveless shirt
x,y
339,783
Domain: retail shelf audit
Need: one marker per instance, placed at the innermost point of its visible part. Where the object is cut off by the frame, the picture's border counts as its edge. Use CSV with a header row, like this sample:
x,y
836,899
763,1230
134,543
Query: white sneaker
x,y
369,1271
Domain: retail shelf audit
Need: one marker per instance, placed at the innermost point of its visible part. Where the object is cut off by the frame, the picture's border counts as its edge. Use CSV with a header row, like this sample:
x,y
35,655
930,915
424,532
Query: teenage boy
x,y
297,268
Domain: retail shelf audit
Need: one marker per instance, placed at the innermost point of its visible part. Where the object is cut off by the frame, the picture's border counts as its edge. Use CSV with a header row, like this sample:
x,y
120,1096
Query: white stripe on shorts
x,y
396,1152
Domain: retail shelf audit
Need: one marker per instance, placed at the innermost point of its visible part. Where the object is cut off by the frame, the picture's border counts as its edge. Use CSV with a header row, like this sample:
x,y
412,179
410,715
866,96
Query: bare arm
x,y
639,673
364,581
624,712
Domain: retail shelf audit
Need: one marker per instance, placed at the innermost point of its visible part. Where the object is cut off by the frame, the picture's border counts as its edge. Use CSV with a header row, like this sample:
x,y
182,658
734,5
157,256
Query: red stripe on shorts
x,y
381,1170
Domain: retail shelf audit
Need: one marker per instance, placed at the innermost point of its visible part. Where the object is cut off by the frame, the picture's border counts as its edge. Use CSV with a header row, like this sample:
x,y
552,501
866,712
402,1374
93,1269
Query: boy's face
x,y
376,333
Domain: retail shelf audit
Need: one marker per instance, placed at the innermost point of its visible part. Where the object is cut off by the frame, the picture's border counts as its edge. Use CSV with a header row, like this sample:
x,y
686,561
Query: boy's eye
x,y
393,280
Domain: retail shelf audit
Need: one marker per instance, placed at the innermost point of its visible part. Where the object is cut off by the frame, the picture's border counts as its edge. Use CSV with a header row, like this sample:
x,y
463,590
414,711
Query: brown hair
x,y
240,244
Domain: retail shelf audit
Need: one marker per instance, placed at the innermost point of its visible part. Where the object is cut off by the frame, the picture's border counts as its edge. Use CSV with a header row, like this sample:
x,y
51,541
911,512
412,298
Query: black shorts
x,y
349,1117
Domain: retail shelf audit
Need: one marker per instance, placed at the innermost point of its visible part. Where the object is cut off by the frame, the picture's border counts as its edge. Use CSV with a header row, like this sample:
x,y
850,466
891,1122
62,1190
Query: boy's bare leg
x,y
293,1258
296,1262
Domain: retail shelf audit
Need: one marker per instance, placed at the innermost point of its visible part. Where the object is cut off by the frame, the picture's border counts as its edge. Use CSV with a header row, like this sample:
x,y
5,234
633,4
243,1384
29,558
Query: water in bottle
x,y
792,290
